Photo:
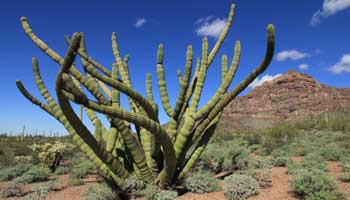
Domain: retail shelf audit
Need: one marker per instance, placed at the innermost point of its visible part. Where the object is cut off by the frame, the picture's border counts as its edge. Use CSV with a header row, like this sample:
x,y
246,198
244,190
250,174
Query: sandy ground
x,y
279,189
335,170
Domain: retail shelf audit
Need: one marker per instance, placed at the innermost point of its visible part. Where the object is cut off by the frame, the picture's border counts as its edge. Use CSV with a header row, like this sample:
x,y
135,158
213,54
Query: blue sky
x,y
311,37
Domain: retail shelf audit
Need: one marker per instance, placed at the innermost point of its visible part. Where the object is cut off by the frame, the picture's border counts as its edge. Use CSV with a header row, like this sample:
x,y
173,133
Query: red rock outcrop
x,y
291,96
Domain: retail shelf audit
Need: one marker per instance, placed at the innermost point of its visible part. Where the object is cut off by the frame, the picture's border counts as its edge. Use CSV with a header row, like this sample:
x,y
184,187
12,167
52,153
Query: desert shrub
x,y
331,152
300,147
23,159
280,152
6,157
259,163
83,169
327,196
344,177
278,135
263,176
314,184
280,161
134,186
201,182
255,147
100,192
345,168
22,150
35,174
293,166
74,181
63,169
12,189
152,192
240,186
225,155
165,195
13,172
51,154
41,190
314,161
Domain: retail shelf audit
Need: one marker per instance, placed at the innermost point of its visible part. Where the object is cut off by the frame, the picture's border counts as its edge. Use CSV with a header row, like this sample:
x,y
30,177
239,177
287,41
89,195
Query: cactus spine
x,y
154,154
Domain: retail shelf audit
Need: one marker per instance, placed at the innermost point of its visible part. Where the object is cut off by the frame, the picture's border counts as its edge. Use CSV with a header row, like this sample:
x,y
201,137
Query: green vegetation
x,y
35,174
239,187
10,173
39,191
12,189
201,182
100,192
51,154
83,169
314,184
153,153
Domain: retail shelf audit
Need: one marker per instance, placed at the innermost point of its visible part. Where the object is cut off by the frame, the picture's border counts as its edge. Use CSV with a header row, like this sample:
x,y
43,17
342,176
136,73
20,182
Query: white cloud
x,y
140,22
329,7
342,66
203,20
304,66
213,28
291,54
258,82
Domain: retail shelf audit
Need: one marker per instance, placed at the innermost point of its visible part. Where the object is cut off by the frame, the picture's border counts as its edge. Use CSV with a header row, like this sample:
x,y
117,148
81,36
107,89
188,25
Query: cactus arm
x,y
86,59
126,90
130,142
54,111
115,94
98,132
227,98
73,119
179,78
104,88
153,127
224,68
32,99
199,148
201,76
112,139
161,82
151,147
64,82
223,86
256,72
222,36
123,68
149,91
184,84
173,123
185,131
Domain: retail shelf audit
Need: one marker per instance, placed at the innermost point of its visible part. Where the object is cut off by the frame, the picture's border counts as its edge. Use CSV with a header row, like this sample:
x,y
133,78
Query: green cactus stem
x,y
132,141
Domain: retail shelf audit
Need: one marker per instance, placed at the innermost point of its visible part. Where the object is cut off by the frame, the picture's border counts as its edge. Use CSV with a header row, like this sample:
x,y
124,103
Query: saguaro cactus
x,y
155,154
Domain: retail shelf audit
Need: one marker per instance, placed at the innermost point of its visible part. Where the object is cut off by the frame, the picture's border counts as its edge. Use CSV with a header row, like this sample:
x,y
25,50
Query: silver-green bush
x,y
100,192
12,189
201,182
314,184
240,186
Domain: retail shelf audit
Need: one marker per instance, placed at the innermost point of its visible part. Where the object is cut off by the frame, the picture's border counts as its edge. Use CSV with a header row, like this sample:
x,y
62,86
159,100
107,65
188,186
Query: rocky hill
x,y
291,96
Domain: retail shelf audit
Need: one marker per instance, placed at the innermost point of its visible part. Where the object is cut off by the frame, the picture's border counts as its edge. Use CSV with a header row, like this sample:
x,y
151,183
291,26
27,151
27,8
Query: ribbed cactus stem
x,y
224,68
223,86
136,142
161,81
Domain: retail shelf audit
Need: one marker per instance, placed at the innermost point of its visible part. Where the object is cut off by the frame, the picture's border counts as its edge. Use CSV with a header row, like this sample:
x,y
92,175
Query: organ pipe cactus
x,y
154,153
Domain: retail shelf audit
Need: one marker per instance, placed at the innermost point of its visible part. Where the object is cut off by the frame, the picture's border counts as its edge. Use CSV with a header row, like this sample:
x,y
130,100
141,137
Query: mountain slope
x,y
291,96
